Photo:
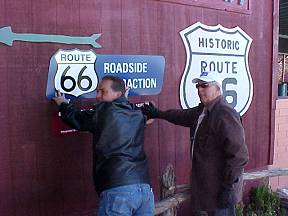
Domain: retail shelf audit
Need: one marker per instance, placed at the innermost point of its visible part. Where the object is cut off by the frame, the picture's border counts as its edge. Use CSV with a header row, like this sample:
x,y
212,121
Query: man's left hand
x,y
127,89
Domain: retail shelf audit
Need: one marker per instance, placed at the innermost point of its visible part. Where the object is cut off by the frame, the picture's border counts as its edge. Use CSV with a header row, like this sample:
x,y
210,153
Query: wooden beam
x,y
178,198
170,202
265,173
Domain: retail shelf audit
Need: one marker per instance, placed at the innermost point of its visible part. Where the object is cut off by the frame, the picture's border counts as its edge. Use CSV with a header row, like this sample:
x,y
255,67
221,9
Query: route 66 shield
x,y
72,72
222,50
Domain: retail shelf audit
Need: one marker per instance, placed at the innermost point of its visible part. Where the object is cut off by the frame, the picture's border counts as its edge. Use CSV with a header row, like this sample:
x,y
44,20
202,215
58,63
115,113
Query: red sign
x,y
59,127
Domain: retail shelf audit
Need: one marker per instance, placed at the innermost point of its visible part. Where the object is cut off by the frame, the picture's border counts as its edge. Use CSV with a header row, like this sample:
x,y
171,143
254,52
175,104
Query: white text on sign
x,y
132,67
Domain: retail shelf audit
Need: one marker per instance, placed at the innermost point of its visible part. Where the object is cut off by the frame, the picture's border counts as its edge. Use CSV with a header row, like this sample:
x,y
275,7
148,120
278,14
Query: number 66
x,y
79,80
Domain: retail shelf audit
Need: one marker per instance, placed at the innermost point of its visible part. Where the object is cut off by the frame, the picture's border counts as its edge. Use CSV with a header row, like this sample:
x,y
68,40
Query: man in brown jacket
x,y
218,148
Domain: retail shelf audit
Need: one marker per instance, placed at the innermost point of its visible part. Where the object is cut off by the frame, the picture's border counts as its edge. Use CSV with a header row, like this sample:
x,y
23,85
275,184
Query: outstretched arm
x,y
71,115
186,118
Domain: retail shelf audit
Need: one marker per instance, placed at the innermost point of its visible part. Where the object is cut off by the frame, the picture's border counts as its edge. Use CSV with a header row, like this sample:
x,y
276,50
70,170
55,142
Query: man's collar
x,y
210,106
121,99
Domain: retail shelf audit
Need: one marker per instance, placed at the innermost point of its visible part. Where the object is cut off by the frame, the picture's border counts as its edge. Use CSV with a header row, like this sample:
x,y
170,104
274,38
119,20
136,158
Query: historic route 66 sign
x,y
72,72
219,49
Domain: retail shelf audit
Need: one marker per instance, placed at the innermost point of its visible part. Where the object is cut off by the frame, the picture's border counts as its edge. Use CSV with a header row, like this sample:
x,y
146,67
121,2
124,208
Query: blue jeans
x,y
128,200
223,212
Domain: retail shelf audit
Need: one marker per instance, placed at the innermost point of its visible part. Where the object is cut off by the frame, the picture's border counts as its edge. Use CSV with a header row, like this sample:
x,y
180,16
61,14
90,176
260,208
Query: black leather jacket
x,y
118,137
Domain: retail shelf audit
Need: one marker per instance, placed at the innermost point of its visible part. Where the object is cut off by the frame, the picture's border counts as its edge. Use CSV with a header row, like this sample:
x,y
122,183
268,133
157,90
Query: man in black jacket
x,y
120,168
218,149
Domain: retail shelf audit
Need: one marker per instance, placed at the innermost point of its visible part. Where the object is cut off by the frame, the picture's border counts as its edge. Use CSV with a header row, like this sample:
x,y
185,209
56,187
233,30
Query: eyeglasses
x,y
202,85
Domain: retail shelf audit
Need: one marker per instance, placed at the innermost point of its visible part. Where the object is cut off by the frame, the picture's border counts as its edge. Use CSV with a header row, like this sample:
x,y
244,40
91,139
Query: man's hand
x,y
60,98
127,89
150,111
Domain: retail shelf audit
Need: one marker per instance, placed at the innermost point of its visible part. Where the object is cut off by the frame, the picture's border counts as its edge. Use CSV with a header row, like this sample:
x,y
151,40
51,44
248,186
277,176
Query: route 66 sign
x,y
73,73
219,49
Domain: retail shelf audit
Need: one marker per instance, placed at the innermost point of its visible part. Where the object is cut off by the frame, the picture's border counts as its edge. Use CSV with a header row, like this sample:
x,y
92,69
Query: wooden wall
x,y
44,174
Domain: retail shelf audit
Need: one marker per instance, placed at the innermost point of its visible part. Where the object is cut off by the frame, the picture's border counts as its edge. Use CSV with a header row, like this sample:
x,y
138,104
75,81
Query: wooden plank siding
x,y
42,174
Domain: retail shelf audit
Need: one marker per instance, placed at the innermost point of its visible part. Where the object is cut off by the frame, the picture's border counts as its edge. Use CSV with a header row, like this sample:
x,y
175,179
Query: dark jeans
x,y
219,212
223,212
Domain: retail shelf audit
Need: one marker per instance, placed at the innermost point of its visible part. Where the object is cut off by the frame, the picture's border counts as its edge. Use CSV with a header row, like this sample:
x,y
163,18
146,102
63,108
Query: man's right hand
x,y
227,198
60,98
150,111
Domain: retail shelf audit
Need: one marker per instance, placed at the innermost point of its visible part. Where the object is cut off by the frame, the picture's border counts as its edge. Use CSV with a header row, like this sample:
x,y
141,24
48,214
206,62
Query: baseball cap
x,y
209,76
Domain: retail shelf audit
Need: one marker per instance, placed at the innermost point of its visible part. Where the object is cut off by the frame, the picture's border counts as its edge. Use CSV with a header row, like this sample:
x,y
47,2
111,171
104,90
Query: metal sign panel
x,y
73,73
143,74
219,49
76,73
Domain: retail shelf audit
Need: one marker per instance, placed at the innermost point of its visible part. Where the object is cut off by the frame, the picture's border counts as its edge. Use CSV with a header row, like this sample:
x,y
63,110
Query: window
x,y
282,67
282,74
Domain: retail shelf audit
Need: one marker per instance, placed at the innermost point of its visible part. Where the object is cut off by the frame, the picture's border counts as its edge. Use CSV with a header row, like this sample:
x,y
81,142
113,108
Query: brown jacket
x,y
219,154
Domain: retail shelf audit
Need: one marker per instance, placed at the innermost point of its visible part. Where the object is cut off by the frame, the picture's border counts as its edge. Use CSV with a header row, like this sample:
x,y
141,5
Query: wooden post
x,y
168,183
